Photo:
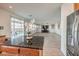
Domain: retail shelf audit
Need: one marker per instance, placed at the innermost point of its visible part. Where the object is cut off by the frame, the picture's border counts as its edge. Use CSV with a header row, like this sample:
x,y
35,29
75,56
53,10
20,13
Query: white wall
x,y
5,20
51,29
66,9
57,30
38,28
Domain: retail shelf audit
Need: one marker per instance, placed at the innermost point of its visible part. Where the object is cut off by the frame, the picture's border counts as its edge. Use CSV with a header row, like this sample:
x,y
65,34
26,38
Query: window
x,y
17,27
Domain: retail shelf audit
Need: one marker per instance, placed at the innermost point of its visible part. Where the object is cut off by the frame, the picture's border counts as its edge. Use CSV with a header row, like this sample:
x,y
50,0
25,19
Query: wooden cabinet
x,y
19,51
76,6
9,50
29,52
2,39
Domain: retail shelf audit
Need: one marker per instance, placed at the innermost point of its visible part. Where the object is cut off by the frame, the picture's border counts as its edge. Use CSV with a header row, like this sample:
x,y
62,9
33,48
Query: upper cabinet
x,y
76,6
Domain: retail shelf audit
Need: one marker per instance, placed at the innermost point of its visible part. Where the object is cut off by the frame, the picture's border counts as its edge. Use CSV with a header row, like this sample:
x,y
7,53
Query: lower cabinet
x,y
19,51
30,52
2,40
9,51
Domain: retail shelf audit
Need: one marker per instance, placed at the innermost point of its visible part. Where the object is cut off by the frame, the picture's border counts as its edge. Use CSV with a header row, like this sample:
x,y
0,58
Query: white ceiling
x,y
42,12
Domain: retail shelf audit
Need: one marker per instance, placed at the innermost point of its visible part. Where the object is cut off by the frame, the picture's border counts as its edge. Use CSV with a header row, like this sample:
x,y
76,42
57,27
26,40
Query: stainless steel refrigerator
x,y
73,34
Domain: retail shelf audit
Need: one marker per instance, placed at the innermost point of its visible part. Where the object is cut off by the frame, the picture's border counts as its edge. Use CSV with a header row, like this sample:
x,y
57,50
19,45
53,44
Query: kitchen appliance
x,y
73,34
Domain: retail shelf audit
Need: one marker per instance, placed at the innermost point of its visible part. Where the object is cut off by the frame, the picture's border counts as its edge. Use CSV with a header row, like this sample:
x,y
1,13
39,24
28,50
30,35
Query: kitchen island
x,y
22,48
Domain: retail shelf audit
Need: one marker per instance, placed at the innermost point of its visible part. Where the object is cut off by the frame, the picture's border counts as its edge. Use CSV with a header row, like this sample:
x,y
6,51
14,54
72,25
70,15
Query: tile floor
x,y
51,44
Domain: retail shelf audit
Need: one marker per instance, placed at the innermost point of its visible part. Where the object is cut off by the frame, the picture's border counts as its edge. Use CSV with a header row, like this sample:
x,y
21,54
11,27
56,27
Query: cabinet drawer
x,y
29,52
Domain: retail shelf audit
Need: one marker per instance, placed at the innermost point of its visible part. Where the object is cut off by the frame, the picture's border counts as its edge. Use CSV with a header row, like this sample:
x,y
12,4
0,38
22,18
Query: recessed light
x,y
10,7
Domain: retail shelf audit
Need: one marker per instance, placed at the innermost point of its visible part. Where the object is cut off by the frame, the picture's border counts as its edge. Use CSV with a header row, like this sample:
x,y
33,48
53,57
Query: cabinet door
x,y
34,52
29,52
2,39
9,49
76,6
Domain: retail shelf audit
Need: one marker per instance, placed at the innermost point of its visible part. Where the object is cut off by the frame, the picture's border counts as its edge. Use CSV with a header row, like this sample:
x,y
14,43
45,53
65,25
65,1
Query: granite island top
x,y
37,42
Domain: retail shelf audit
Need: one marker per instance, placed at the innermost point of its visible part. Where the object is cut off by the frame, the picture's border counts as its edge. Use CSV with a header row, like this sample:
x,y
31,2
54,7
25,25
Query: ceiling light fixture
x,y
10,7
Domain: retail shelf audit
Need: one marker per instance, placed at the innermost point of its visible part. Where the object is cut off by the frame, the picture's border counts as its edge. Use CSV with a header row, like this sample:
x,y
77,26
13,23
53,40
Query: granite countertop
x,y
37,42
